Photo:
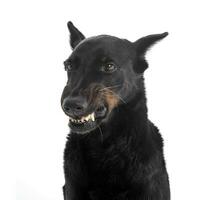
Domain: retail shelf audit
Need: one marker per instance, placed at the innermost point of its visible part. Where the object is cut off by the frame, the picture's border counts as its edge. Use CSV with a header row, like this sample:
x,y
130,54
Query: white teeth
x,y
83,119
92,116
87,118
71,119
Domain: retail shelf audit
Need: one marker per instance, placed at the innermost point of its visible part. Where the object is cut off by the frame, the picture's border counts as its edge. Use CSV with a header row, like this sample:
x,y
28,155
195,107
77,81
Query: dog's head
x,y
103,72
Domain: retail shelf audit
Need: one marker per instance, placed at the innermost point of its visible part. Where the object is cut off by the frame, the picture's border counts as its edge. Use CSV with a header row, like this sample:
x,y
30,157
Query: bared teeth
x,y
92,117
83,119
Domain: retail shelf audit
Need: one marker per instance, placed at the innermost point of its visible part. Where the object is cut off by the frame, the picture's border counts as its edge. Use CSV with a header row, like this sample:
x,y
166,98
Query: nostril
x,y
66,108
79,108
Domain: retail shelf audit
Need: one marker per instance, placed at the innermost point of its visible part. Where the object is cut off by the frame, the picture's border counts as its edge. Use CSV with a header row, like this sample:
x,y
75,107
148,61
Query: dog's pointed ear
x,y
141,46
75,35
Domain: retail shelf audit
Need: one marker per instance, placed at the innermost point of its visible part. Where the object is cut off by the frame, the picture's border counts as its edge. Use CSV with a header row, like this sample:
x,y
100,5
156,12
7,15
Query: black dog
x,y
113,151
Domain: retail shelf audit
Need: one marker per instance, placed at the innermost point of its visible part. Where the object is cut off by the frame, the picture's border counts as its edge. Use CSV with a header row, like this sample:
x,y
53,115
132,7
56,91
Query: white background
x,y
33,46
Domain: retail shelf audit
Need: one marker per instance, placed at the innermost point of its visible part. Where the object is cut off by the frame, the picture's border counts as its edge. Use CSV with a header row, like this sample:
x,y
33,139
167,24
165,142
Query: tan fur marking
x,y
97,93
111,98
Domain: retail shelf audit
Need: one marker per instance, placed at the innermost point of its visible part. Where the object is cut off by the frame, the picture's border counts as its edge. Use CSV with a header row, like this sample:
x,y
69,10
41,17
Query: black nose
x,y
74,106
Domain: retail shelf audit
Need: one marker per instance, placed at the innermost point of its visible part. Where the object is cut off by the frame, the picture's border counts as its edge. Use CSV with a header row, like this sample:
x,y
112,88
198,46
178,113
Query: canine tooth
x,y
92,116
87,118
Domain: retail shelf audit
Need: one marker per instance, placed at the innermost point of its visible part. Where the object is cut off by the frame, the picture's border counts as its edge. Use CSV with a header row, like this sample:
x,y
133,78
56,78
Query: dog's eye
x,y
108,67
68,66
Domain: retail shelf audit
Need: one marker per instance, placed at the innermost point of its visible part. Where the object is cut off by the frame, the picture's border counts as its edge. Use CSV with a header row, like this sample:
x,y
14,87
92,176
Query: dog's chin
x,y
83,128
87,124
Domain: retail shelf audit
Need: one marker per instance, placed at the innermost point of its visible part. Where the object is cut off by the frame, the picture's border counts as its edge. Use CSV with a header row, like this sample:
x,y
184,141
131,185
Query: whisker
x,y
118,96
100,133
109,87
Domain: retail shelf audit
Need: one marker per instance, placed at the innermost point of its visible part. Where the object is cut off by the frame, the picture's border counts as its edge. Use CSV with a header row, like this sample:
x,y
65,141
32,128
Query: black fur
x,y
122,158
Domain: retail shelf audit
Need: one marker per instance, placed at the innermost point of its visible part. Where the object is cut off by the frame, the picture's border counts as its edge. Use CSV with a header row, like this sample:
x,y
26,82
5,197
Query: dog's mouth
x,y
89,122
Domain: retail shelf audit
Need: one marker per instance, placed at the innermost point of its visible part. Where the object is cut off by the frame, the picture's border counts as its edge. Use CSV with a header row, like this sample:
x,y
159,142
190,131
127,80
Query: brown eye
x,y
68,66
108,67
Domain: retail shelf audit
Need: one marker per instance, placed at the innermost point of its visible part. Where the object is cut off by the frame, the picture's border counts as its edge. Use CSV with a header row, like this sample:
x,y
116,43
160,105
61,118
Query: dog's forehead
x,y
101,46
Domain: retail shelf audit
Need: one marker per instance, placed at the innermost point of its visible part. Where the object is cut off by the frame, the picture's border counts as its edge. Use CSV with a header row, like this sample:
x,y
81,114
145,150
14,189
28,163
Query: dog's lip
x,y
87,123
82,128
83,119
99,112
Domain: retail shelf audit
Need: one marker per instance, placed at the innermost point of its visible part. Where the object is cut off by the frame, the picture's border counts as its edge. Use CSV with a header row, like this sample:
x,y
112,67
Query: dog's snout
x,y
74,106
